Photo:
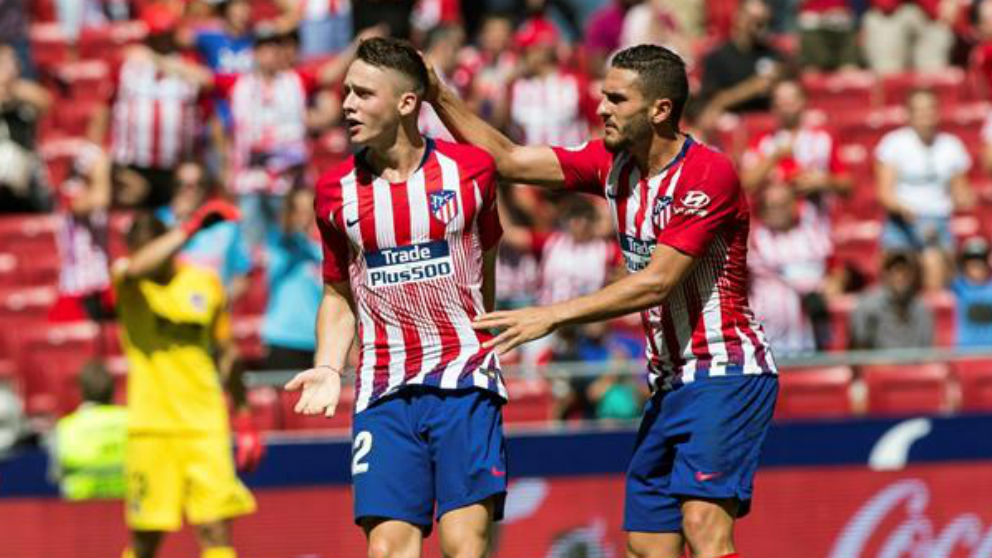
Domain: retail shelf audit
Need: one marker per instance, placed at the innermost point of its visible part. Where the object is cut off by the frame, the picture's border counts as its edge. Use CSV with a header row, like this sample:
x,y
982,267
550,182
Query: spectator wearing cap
x,y
22,104
901,35
789,251
798,152
972,290
892,315
738,75
548,105
828,38
154,111
921,176
270,109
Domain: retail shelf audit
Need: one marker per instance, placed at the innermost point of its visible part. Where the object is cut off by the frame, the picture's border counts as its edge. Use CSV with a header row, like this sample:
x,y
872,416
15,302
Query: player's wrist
x,y
328,369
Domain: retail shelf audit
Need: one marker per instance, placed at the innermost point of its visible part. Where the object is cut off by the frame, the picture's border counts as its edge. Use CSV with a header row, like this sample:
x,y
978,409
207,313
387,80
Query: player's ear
x,y
661,110
408,103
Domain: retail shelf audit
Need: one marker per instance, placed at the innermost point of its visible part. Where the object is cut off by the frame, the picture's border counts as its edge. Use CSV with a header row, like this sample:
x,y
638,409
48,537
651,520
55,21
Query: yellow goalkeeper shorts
x,y
172,475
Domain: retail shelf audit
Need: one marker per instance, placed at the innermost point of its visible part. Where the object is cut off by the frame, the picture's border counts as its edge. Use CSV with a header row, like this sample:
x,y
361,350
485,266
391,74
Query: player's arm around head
x,y
638,291
536,165
321,385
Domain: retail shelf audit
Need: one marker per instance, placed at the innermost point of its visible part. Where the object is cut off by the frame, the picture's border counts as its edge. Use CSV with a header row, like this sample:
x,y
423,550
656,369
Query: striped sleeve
x,y
585,167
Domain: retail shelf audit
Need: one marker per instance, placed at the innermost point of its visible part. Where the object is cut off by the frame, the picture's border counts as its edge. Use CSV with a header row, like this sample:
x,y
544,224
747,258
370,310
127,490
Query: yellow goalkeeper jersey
x,y
169,332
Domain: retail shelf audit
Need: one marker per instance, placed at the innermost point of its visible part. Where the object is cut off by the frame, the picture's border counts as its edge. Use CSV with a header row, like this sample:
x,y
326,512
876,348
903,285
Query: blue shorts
x,y
700,440
423,445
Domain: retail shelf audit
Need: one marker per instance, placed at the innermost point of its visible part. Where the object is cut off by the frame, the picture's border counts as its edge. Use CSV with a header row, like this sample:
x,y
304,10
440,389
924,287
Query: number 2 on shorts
x,y
361,448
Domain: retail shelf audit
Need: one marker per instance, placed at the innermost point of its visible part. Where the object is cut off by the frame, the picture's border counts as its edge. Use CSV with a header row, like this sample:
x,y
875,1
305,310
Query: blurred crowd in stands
x,y
861,127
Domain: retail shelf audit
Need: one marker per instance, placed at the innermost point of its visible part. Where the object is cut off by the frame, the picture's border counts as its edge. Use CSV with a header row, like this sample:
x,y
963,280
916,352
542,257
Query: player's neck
x,y
397,161
659,153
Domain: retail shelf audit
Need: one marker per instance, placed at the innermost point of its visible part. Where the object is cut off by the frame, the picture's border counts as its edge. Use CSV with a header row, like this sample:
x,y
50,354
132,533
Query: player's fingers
x,y
330,409
490,316
508,345
301,403
498,339
296,383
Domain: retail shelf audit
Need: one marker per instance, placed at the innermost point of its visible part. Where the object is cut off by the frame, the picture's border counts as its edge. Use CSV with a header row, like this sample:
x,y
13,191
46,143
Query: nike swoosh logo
x,y
349,223
496,472
703,477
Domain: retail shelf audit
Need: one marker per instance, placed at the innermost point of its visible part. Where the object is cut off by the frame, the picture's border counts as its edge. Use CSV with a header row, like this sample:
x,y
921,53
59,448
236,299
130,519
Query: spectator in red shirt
x,y
797,153
901,35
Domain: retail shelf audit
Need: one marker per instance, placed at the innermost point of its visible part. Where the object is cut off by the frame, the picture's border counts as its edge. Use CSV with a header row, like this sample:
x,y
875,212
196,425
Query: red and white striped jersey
x,y
154,116
562,279
413,253
551,110
695,205
269,128
813,149
82,239
784,266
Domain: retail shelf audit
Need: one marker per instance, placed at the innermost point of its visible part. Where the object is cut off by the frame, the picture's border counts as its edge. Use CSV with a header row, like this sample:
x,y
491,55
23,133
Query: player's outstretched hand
x,y
214,211
321,390
519,326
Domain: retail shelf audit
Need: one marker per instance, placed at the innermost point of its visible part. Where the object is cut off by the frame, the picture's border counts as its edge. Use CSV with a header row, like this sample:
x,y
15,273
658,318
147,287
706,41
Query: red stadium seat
x,y
907,389
49,46
942,305
20,304
814,393
840,311
265,408
253,301
948,84
86,80
839,91
108,43
30,234
247,335
974,377
530,401
48,354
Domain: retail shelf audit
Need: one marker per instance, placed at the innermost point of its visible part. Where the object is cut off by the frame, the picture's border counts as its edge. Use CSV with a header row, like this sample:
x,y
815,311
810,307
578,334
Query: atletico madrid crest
x,y
444,205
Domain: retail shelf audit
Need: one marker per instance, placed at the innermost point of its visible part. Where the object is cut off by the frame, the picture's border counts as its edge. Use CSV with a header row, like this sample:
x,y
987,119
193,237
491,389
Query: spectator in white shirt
x,y
921,178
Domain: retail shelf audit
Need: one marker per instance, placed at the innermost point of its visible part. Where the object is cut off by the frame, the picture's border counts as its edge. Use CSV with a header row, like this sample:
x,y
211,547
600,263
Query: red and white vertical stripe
x,y
548,110
562,279
417,332
704,328
154,117
269,117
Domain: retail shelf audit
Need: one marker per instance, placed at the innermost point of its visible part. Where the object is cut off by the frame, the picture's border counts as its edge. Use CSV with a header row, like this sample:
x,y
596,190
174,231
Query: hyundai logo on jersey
x,y
408,264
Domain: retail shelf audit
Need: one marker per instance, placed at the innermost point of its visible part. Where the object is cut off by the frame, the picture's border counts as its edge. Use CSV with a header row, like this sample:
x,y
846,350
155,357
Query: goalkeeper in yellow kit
x,y
178,457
